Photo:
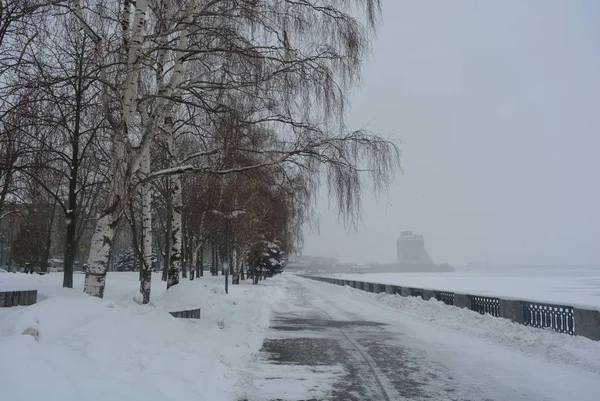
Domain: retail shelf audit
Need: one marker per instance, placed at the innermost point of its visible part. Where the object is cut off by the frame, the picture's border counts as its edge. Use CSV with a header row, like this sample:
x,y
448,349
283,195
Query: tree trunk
x,y
214,265
138,257
165,254
6,185
146,268
102,239
212,259
222,259
46,256
70,244
200,268
236,267
72,211
167,250
198,261
120,174
194,265
184,258
104,233
175,256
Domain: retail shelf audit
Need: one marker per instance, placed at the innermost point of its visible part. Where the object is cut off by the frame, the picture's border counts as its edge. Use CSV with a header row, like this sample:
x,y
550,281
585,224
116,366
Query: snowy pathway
x,y
333,343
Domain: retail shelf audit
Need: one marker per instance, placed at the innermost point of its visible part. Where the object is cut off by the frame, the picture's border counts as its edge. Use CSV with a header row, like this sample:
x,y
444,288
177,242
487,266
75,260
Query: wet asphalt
x,y
370,360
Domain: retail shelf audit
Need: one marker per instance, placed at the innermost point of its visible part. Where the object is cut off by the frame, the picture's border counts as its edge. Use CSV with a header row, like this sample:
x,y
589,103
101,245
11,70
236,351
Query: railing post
x,y
462,301
512,310
587,323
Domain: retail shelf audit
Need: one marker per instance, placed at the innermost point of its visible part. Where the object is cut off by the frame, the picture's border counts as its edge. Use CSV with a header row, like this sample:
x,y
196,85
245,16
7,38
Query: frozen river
x,y
570,285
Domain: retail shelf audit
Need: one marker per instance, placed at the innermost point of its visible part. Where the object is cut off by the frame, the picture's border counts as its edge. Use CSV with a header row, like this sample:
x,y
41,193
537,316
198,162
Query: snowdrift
x,y
116,349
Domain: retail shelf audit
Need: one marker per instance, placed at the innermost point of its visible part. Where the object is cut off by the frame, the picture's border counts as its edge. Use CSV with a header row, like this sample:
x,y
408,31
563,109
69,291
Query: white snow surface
x,y
116,349
567,285
489,358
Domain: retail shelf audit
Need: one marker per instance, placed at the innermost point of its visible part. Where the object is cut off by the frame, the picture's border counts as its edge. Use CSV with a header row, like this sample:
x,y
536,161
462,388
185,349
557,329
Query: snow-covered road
x,y
336,343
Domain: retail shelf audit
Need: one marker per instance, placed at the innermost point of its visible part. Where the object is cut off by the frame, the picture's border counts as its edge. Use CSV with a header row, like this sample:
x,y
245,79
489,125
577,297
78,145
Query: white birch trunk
x,y
176,234
102,239
194,261
95,276
146,189
175,258
134,60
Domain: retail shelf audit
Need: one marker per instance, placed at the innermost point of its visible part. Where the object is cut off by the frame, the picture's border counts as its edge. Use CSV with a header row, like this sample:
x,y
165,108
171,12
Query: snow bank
x,y
116,349
194,294
575,351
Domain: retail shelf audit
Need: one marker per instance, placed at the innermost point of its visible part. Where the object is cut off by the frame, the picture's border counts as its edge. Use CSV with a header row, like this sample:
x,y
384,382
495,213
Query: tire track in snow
x,y
376,376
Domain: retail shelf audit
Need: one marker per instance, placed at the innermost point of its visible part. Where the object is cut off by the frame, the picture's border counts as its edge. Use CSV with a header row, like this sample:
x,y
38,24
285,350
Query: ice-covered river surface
x,y
568,285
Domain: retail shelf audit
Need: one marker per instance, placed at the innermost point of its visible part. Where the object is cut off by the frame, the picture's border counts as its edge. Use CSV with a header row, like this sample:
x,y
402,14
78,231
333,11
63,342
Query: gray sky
x,y
497,106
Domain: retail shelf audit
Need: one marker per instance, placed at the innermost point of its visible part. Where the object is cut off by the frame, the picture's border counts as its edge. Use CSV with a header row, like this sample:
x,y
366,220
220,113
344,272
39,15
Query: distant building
x,y
410,249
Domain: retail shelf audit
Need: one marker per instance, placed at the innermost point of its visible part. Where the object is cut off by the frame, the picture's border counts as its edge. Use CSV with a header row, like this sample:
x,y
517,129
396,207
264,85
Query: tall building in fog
x,y
411,249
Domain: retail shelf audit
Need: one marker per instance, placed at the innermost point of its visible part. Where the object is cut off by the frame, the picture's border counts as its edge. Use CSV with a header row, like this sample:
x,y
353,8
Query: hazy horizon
x,y
494,106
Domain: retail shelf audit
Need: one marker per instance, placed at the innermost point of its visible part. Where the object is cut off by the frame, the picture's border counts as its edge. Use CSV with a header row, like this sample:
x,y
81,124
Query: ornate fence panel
x,y
485,305
445,297
556,317
416,292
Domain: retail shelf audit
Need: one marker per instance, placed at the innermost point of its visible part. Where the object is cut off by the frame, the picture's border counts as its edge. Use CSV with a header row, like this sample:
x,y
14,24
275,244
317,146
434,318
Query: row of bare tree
x,y
206,126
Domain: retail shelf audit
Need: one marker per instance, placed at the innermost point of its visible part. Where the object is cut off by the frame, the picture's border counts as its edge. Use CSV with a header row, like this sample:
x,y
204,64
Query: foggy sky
x,y
497,106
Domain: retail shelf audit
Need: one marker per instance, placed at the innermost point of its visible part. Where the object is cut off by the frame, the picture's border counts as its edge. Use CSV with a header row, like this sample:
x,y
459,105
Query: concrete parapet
x,y
462,301
587,323
512,310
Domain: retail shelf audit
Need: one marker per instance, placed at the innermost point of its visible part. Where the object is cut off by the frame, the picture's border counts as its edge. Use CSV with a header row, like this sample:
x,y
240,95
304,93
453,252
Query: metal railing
x,y
485,305
556,317
445,297
559,318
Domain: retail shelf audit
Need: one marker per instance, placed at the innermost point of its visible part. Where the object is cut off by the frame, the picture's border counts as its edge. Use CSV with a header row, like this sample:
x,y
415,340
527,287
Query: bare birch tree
x,y
277,66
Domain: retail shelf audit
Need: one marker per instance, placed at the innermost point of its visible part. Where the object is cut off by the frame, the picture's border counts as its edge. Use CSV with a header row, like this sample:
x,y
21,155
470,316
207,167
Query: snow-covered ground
x,y
116,349
570,285
446,352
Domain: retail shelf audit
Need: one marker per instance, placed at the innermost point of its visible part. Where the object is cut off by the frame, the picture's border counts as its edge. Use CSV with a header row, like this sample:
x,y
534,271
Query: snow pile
x,y
119,285
186,295
116,349
571,350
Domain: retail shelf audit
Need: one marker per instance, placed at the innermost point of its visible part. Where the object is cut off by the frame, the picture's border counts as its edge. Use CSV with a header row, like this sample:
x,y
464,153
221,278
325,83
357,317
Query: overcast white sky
x,y
497,106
